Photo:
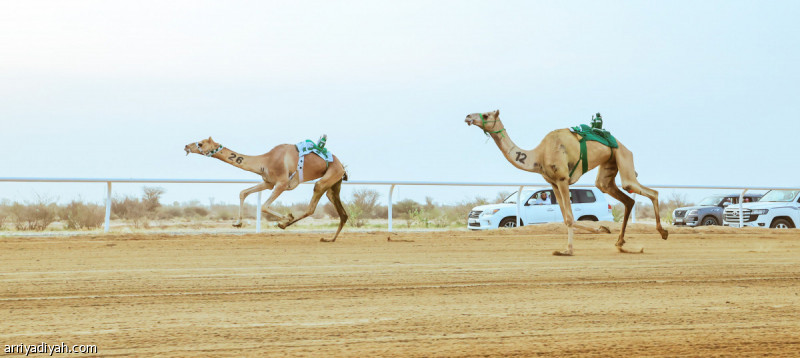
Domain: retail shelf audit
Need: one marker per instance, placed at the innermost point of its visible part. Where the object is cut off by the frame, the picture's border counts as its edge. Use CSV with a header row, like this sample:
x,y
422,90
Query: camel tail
x,y
344,177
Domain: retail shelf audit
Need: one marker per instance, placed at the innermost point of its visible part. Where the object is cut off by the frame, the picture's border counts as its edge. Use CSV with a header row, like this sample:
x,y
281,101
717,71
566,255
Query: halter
x,y
484,121
215,151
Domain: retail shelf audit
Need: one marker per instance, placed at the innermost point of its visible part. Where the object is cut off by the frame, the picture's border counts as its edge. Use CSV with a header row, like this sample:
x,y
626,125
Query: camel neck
x,y
520,158
241,161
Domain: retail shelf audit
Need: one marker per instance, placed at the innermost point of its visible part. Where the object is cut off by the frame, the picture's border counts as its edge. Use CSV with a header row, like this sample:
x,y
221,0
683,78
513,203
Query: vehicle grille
x,y
475,224
475,214
680,213
732,215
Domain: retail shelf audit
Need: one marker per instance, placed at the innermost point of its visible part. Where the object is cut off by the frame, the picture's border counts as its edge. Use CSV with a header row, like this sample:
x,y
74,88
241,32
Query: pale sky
x,y
703,93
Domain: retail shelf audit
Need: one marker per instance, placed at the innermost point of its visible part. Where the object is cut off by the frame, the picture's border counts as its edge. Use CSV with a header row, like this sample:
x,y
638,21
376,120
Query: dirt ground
x,y
704,292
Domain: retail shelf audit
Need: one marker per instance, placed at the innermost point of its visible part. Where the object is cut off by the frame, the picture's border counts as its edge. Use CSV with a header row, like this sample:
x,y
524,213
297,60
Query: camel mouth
x,y
187,150
468,121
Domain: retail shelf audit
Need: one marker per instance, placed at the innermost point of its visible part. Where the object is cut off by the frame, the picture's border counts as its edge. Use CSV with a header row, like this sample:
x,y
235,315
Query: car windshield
x,y
512,199
711,200
780,195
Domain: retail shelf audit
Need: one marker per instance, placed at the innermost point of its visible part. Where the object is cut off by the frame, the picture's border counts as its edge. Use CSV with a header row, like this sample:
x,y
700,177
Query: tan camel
x,y
557,155
278,169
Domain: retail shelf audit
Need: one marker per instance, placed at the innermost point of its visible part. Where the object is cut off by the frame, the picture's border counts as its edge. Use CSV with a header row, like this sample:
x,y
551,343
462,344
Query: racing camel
x,y
280,171
556,158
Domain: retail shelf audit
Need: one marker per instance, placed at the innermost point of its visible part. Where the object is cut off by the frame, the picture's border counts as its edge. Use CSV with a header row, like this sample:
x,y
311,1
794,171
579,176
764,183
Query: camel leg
x,y
605,182
561,190
243,195
631,184
279,188
333,196
319,189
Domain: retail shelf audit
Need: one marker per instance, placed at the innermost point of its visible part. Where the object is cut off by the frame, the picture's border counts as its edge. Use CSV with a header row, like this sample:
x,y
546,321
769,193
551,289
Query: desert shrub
x,y
151,197
169,212
403,208
82,216
367,201
420,216
319,212
355,215
645,211
501,195
34,216
330,210
382,212
222,213
130,208
3,213
195,211
618,211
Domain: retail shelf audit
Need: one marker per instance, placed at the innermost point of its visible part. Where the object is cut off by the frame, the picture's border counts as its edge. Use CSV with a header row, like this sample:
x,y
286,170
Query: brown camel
x,y
278,169
557,155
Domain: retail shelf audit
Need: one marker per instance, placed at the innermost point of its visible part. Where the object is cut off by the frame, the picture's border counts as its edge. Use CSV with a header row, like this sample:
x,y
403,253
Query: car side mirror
x,y
726,204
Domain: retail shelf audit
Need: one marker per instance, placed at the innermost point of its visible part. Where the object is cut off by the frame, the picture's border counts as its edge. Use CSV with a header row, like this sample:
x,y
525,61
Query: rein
x,y
215,151
484,121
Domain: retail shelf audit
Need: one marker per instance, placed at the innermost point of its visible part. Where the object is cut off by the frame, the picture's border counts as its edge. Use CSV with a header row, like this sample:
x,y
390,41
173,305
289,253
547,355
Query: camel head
x,y
489,122
207,147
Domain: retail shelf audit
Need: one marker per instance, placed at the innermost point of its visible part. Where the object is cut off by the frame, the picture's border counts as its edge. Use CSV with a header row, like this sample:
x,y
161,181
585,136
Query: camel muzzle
x,y
186,148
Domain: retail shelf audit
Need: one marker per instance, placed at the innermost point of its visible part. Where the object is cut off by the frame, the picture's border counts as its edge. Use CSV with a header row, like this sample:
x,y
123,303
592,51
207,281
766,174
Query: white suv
x,y
776,209
540,207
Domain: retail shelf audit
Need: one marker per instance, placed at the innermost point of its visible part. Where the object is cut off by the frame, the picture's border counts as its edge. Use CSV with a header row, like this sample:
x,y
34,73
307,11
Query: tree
x,y
151,197
367,201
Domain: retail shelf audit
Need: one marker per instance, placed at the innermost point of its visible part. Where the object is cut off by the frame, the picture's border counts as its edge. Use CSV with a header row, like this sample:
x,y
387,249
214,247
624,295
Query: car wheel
x,y
508,222
709,220
781,224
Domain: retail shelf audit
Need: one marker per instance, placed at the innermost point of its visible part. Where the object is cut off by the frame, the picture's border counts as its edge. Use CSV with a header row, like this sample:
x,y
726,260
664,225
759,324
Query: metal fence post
x,y
258,213
108,209
741,208
391,189
519,204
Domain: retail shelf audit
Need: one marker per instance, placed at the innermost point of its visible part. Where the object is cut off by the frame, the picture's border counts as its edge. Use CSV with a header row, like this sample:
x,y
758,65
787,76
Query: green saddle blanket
x,y
601,136
595,134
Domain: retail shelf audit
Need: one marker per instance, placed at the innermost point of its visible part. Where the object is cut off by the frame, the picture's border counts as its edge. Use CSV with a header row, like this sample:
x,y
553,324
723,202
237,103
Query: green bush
x,y
355,215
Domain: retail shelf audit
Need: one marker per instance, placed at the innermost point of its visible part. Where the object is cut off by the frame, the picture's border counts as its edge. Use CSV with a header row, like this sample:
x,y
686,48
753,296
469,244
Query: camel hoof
x,y
562,253
620,249
327,240
237,224
665,234
282,226
605,229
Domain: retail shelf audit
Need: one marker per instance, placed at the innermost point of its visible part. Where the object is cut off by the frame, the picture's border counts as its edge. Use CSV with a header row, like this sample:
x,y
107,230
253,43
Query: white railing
x,y
391,184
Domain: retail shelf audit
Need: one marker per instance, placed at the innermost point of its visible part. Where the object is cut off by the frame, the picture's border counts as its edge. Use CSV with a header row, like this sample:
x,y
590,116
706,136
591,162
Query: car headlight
x,y
490,212
692,212
759,211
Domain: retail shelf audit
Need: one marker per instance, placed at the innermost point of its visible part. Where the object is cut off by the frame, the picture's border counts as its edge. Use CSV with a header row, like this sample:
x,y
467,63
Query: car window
x,y
544,197
586,196
582,196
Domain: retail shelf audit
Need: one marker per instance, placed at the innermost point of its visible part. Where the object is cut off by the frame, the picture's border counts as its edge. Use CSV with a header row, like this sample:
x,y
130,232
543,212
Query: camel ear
x,y
209,139
497,112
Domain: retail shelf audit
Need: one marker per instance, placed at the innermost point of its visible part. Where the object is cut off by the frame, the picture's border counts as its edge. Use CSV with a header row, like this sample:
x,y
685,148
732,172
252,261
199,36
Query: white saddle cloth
x,y
307,147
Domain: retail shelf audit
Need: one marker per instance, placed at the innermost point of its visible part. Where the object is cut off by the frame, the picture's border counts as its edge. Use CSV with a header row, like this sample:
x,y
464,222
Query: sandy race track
x,y
704,292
